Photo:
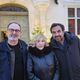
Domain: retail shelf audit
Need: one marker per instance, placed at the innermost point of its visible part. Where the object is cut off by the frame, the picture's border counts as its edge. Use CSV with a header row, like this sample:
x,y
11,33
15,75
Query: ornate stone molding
x,y
42,6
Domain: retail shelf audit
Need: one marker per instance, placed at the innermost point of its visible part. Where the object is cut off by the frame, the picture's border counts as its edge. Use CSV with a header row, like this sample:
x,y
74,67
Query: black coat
x,y
5,60
68,56
42,64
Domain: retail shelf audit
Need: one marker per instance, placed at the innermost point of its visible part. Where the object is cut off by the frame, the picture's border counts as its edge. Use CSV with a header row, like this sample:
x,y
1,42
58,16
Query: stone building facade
x,y
39,13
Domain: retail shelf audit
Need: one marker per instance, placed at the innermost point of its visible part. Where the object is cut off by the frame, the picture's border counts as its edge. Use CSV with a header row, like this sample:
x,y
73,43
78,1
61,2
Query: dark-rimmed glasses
x,y
16,30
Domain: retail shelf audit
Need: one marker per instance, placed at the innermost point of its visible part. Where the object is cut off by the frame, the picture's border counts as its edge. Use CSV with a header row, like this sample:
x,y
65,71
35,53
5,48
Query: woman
x,y
42,63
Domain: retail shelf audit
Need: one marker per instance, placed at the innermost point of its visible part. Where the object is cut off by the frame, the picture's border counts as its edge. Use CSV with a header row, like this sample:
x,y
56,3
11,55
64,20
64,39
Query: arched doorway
x,y
14,13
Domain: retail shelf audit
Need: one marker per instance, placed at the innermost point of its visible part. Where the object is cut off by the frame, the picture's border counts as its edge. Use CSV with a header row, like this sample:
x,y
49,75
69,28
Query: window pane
x,y
71,12
78,12
71,24
78,26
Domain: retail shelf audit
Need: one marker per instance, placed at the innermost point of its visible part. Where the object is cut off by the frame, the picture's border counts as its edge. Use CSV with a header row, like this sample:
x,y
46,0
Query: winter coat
x,y
42,64
5,60
68,56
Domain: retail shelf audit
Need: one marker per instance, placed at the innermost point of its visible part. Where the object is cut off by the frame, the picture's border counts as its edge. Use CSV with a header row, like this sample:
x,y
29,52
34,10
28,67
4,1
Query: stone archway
x,y
14,13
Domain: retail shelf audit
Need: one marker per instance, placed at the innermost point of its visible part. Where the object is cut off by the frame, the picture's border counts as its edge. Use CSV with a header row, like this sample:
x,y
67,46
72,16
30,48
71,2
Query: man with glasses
x,y
13,55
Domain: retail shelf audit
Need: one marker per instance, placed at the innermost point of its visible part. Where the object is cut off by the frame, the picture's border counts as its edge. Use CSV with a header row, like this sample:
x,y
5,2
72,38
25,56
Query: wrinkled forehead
x,y
14,26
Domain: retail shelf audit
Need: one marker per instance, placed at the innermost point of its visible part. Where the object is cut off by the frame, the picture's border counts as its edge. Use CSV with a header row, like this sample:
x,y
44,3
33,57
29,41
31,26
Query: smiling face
x,y
13,32
40,43
58,33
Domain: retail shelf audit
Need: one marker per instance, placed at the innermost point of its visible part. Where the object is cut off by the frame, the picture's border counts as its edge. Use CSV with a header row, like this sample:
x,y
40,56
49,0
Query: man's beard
x,y
13,37
58,38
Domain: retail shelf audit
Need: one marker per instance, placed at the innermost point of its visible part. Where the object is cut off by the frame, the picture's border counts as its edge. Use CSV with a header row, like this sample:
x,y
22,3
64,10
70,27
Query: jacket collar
x,y
4,45
68,38
39,53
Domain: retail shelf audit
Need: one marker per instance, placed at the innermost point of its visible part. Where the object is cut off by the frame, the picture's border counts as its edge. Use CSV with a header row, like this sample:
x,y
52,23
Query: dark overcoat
x,y
68,56
5,59
42,64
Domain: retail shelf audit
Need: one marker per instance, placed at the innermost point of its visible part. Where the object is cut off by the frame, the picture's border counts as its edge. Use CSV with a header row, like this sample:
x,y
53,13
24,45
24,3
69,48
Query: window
x,y
74,20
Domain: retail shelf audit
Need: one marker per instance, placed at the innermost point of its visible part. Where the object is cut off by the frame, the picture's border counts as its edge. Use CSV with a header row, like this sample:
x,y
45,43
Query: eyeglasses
x,y
16,30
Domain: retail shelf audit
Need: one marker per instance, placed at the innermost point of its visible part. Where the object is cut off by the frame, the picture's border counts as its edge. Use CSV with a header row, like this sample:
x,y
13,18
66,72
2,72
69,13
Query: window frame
x,y
75,18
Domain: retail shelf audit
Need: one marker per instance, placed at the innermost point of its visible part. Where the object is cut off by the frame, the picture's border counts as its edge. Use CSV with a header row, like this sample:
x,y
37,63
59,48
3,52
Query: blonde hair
x,y
38,37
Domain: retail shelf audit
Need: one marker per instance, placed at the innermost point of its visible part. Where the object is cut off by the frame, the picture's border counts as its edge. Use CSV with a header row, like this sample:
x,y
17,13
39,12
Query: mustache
x,y
13,35
57,36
